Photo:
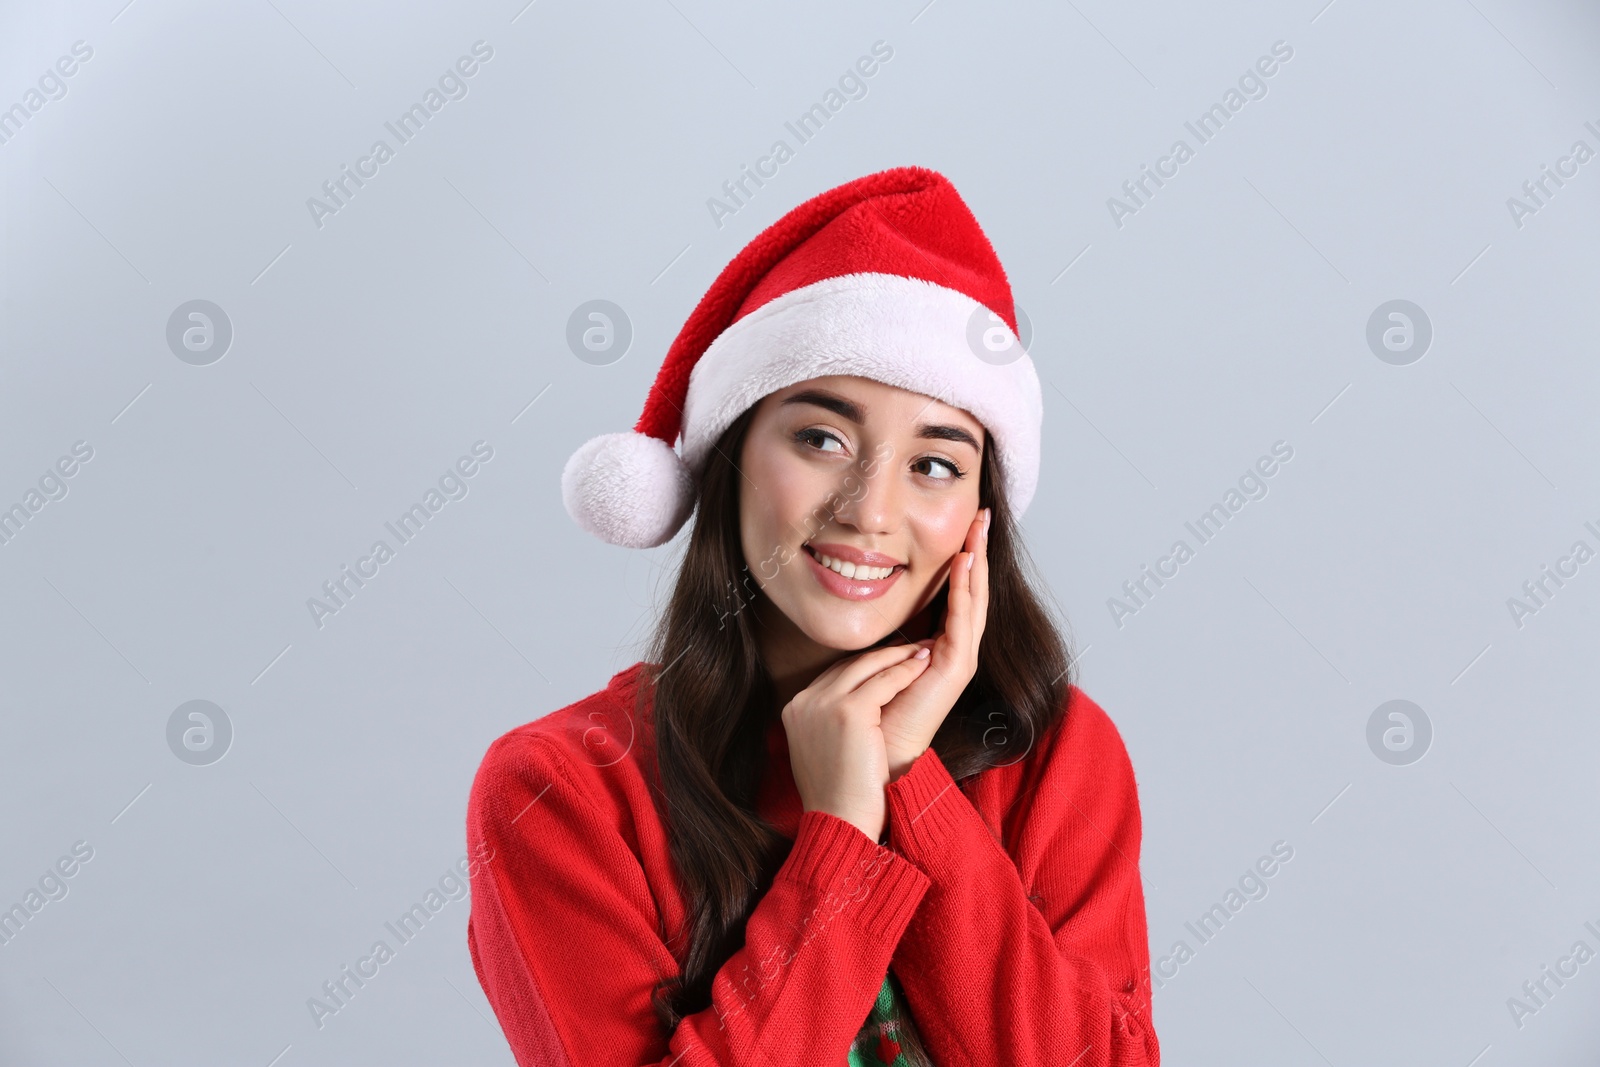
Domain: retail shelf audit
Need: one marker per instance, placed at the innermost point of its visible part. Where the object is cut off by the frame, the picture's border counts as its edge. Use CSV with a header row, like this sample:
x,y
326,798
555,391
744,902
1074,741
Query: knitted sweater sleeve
x,y
1038,956
566,937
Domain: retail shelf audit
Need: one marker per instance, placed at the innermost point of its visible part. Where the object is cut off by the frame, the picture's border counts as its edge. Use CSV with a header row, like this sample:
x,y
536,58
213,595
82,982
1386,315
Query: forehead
x,y
878,401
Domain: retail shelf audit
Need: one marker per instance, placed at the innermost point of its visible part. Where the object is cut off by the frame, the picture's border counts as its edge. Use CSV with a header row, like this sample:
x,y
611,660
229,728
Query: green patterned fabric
x,y
888,1035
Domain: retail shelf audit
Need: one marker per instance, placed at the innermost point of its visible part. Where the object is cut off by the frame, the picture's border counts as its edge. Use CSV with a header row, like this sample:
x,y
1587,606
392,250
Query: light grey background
x,y
430,312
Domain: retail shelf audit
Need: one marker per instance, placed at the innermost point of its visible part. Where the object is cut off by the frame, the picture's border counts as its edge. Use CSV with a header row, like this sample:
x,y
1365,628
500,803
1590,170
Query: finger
x,y
881,687
980,581
829,675
958,609
975,532
854,670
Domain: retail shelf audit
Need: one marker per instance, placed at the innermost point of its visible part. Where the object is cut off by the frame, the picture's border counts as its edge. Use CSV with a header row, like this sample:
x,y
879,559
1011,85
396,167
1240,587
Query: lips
x,y
858,556
853,589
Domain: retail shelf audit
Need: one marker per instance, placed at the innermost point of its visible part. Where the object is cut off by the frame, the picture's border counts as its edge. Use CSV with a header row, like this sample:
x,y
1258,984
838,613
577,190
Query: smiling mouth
x,y
851,571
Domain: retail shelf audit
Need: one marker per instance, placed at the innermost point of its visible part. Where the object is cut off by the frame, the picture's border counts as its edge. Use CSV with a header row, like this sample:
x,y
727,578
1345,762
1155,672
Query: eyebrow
x,y
856,413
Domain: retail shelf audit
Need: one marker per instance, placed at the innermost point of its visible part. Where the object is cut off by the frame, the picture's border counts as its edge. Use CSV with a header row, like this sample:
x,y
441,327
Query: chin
x,y
844,638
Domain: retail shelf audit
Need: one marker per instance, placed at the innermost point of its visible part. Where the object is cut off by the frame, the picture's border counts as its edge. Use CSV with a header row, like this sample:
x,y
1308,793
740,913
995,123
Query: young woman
x,y
850,809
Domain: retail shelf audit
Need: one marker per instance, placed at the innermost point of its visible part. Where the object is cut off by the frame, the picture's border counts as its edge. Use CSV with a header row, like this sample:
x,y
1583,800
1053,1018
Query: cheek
x,y
942,527
774,496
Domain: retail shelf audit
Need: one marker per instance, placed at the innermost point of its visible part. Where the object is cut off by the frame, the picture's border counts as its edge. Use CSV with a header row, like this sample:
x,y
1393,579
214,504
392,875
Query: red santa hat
x,y
887,277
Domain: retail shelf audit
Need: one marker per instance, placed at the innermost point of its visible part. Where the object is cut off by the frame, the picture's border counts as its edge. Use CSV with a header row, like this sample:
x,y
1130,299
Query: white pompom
x,y
628,489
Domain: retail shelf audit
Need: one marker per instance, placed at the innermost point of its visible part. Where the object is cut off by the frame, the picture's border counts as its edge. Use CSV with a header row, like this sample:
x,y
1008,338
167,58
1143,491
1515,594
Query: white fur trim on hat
x,y
904,332
628,489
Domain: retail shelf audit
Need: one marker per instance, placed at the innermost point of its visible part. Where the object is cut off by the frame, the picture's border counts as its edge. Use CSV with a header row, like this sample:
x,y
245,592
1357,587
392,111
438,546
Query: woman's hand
x,y
910,720
836,747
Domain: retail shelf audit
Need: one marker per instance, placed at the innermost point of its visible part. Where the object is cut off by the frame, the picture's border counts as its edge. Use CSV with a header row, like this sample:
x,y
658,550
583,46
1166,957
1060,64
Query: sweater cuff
x,y
851,872
925,808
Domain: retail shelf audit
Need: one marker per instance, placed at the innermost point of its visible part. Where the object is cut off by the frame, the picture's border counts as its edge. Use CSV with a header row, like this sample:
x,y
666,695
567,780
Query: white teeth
x,y
860,573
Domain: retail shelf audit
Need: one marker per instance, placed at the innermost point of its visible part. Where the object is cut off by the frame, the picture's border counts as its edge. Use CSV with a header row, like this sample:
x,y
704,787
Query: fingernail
x,y
969,561
922,653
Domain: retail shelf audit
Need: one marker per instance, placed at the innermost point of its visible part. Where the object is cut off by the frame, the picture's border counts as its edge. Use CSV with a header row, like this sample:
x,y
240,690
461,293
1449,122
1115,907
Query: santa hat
x,y
887,277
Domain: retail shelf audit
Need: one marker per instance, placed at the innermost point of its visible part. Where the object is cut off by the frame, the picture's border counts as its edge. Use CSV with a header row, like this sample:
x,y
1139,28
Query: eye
x,y
956,473
811,433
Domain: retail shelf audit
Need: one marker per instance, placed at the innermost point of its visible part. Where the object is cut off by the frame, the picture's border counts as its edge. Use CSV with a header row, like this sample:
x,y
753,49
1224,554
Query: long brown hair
x,y
712,703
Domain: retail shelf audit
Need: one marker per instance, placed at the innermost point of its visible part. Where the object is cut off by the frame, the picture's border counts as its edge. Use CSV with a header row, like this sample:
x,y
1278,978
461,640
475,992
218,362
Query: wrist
x,y
900,767
873,825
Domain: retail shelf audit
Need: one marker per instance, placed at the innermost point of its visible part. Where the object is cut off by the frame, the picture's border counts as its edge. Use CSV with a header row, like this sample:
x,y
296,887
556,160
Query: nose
x,y
871,501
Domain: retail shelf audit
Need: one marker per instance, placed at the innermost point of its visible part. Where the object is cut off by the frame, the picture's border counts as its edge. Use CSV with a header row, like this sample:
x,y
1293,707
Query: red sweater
x,y
1011,911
